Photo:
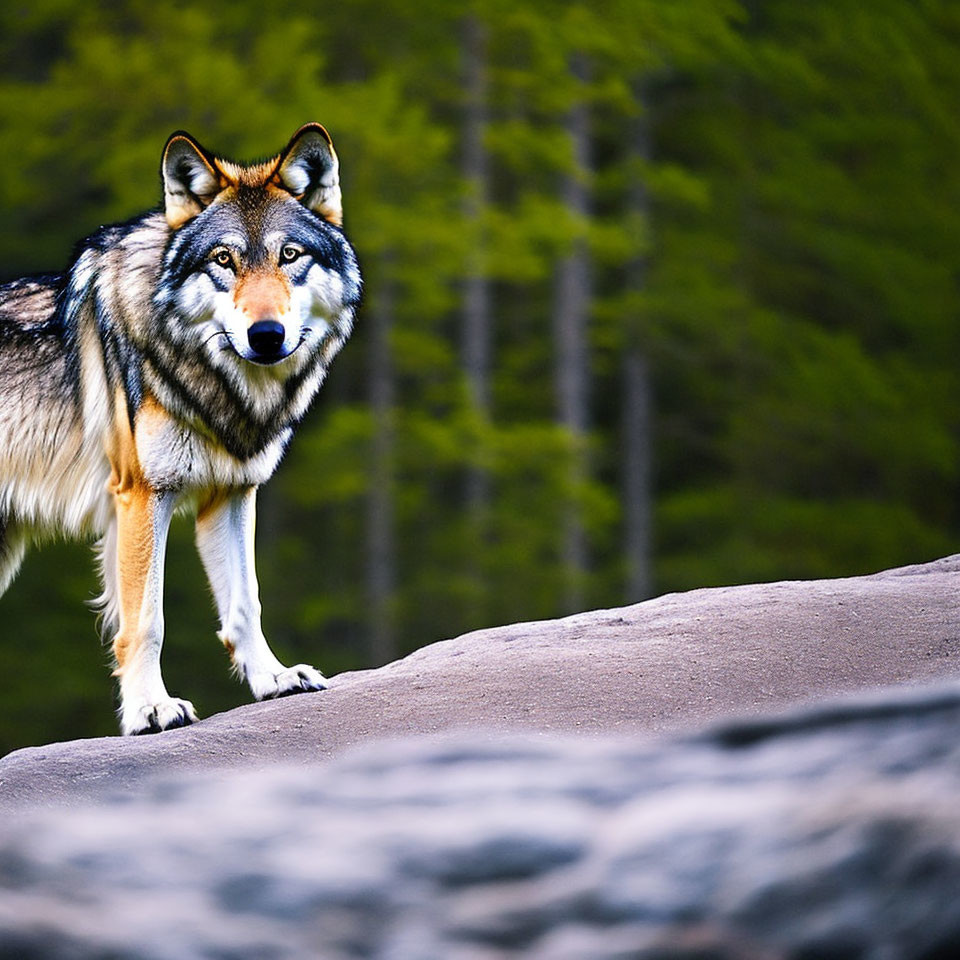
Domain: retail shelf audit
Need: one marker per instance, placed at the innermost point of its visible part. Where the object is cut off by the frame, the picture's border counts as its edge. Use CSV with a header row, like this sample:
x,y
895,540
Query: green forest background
x,y
660,294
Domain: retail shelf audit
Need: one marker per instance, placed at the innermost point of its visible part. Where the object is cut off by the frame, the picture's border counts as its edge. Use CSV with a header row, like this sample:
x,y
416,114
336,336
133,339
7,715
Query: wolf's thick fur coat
x,y
166,369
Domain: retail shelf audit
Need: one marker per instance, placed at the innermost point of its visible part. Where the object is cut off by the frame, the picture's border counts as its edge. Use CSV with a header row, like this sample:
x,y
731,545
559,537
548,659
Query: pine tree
x,y
572,295
638,390
477,323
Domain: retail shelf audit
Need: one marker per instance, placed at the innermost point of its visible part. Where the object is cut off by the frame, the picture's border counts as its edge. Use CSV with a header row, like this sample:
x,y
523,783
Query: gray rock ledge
x,y
668,665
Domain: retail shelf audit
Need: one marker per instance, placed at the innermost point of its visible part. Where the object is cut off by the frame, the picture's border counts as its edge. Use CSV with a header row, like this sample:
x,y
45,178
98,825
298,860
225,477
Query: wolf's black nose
x,y
266,337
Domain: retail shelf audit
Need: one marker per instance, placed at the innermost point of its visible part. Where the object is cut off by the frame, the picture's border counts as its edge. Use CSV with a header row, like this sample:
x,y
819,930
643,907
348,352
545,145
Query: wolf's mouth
x,y
271,361
259,358
262,361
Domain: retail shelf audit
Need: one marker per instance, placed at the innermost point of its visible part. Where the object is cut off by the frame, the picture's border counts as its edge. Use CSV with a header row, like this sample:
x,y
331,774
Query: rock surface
x,y
833,833
670,664
272,833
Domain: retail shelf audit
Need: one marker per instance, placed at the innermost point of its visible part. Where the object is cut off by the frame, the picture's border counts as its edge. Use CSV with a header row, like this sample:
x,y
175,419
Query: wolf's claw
x,y
301,678
157,717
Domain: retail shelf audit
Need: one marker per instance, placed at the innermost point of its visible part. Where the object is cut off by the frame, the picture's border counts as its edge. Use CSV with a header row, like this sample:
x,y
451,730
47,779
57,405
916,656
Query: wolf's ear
x,y
309,169
190,179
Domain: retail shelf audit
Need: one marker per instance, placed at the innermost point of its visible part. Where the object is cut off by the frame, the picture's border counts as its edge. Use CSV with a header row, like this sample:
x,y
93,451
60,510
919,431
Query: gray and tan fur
x,y
167,370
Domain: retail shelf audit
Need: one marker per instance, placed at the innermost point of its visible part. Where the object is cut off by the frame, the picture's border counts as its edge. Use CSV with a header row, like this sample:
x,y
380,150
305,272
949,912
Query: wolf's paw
x,y
155,717
299,679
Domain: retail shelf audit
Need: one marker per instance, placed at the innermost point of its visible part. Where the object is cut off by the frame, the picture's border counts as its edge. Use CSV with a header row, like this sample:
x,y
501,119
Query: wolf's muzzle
x,y
266,340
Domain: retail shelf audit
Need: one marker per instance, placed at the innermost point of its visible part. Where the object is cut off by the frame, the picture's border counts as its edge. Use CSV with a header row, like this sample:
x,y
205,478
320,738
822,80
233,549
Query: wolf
x,y
166,370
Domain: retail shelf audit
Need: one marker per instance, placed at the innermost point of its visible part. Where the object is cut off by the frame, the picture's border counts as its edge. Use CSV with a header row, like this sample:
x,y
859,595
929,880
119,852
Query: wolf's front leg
x,y
225,533
143,519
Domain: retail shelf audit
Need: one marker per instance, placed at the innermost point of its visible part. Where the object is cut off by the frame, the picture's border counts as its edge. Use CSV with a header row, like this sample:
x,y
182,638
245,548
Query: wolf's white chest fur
x,y
173,456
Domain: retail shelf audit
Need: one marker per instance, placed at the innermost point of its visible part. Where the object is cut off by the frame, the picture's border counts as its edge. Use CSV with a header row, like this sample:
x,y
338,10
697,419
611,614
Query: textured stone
x,y
667,665
545,822
829,833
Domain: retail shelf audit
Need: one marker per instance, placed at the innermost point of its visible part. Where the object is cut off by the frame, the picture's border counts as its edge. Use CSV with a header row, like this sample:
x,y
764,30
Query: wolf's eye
x,y
224,258
289,253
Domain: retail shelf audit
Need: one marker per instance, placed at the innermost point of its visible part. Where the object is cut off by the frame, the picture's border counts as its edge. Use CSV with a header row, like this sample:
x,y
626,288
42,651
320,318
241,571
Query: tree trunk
x,y
476,300
571,314
381,541
476,317
637,406
637,503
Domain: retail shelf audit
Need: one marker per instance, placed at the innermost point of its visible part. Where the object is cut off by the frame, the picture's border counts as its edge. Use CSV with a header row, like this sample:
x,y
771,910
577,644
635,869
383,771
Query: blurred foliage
x,y
799,313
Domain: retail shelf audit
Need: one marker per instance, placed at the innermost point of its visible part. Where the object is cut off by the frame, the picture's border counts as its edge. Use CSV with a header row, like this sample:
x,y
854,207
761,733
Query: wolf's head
x,y
258,270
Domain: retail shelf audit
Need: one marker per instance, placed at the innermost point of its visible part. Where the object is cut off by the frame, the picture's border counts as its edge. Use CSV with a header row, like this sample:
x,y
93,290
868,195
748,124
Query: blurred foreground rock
x,y
833,833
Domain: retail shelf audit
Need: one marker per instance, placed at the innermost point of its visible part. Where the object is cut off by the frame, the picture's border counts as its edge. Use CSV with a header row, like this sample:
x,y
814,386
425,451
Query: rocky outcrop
x,y
667,665
512,799
833,833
